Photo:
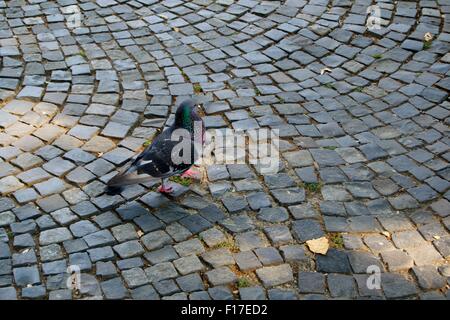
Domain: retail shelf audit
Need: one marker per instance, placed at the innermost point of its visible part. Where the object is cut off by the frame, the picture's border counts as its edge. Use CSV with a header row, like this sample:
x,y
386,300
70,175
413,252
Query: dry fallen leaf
x,y
322,71
428,36
387,234
319,245
437,237
140,233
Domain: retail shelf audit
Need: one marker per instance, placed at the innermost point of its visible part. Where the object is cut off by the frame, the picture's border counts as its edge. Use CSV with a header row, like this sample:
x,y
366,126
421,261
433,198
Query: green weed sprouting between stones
x,y
377,56
197,88
427,45
243,283
329,85
312,187
181,180
336,240
330,147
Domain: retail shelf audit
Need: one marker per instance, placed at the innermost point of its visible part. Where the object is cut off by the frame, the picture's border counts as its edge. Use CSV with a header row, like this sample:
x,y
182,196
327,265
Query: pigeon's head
x,y
186,114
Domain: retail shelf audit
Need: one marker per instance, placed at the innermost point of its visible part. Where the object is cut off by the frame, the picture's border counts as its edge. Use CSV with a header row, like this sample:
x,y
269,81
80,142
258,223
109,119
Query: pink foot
x,y
164,189
191,174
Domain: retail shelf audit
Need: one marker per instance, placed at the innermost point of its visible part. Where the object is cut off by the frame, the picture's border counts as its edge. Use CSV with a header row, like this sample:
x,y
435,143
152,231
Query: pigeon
x,y
163,158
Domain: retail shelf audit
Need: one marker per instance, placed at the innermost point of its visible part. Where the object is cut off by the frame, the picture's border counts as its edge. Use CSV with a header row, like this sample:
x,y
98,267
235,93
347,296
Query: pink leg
x,y
191,174
163,189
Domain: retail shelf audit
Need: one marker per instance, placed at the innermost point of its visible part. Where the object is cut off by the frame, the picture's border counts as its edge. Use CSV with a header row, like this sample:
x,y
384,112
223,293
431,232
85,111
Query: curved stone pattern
x,y
363,117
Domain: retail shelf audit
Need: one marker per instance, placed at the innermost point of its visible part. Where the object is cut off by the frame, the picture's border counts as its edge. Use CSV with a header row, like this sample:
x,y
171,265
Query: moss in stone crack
x,y
181,180
377,56
312,187
243,283
336,240
197,88
330,147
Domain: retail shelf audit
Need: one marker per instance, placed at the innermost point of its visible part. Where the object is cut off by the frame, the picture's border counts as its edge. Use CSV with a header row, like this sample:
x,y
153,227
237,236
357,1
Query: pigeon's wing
x,y
157,160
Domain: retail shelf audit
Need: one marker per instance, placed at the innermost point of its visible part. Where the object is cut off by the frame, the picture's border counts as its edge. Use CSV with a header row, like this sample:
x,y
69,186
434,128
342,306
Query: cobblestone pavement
x,y
363,117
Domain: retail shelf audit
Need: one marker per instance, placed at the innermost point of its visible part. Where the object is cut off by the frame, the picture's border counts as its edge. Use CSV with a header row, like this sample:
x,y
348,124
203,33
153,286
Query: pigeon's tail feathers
x,y
121,180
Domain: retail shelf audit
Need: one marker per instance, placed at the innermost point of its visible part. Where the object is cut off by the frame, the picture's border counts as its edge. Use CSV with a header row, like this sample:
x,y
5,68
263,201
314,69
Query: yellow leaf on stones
x,y
319,245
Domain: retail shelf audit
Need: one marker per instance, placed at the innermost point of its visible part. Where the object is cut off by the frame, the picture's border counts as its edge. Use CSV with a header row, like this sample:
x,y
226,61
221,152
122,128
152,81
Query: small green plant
x,y
181,180
258,93
377,56
330,147
427,45
228,244
82,53
312,187
243,283
336,240
329,85
358,89
197,88
10,234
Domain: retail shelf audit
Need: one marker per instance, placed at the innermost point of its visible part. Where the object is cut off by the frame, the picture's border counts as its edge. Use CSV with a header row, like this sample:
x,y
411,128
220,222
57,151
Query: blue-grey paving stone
x,y
130,263
54,236
28,211
397,286
99,238
101,254
75,245
107,219
82,228
238,223
34,292
268,256
278,234
5,266
148,223
5,252
311,282
252,293
281,294
277,214
423,193
62,294
23,241
8,293
25,276
234,203
156,240
54,267
275,275
212,213
166,287
114,289
80,259
105,270
258,200
220,293
218,257
131,210
428,277
129,249
306,229
361,261
280,180
341,286
195,223
26,226
199,295
167,253
24,258
335,261
134,277
161,271
146,292
191,282
171,213
289,196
